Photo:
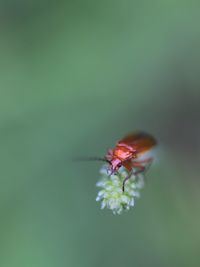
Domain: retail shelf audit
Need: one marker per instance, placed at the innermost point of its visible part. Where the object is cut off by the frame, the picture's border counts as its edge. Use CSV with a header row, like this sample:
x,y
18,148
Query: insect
x,y
129,152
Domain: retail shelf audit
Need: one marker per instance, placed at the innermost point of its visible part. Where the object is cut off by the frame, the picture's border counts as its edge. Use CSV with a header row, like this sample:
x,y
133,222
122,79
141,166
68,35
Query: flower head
x,y
111,194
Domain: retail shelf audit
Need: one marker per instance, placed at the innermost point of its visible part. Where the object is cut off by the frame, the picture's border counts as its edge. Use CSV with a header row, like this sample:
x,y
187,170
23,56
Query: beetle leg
x,y
139,164
129,165
142,162
126,179
141,169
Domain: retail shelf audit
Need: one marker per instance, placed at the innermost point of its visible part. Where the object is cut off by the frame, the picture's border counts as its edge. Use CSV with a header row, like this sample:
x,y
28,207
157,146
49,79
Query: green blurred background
x,y
75,77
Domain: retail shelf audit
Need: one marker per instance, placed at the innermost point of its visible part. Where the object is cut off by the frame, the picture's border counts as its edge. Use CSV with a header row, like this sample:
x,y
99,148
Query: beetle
x,y
130,152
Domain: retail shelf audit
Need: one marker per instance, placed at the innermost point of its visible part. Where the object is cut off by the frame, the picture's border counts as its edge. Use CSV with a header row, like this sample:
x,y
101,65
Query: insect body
x,y
128,153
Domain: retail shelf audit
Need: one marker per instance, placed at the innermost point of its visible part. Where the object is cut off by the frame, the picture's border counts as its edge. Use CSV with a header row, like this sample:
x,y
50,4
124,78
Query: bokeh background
x,y
75,76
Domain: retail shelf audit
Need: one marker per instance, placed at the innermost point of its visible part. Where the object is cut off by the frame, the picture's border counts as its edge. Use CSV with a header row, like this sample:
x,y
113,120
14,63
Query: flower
x,y
111,194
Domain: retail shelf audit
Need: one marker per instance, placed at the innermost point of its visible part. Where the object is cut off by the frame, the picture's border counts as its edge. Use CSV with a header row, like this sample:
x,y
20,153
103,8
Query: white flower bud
x,y
111,194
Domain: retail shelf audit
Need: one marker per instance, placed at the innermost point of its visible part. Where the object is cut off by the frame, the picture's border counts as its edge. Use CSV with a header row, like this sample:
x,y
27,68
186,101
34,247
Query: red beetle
x,y
128,153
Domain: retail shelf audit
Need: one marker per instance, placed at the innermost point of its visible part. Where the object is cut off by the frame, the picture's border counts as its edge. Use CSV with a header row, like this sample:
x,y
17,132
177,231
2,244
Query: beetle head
x,y
115,165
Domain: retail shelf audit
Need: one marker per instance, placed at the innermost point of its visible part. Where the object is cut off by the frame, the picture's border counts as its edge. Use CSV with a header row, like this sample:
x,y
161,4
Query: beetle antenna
x,y
93,159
